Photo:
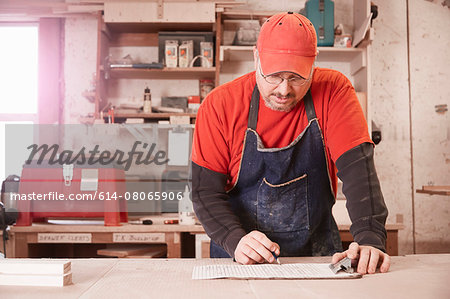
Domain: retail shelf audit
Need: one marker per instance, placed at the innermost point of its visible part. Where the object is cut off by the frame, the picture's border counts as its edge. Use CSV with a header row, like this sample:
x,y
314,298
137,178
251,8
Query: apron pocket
x,y
283,207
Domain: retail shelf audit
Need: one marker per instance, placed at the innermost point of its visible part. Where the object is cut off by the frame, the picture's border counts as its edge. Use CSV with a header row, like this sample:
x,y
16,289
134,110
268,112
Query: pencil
x,y
276,258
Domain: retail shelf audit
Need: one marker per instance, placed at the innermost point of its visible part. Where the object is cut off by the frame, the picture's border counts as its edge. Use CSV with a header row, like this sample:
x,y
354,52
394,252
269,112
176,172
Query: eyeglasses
x,y
277,79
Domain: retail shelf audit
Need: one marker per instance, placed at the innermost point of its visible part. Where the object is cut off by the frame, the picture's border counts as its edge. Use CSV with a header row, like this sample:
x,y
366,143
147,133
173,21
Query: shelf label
x,y
63,238
139,238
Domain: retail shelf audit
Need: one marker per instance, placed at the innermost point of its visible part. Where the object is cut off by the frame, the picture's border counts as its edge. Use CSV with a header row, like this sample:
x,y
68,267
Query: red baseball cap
x,y
287,43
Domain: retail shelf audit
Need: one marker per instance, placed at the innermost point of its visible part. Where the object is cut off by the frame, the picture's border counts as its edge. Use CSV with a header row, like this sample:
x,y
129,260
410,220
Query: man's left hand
x,y
369,258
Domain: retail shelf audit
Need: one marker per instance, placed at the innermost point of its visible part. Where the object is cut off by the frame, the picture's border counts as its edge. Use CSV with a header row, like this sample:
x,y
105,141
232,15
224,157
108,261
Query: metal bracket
x,y
343,265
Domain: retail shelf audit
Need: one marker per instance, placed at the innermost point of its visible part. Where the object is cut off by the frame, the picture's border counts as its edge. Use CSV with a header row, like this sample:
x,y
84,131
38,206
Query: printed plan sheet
x,y
269,271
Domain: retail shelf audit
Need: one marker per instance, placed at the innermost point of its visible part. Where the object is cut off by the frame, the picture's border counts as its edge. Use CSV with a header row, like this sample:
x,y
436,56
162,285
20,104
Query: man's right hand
x,y
254,248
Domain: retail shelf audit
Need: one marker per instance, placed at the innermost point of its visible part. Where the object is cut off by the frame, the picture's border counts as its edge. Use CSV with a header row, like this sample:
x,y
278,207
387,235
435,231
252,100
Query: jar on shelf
x,y
147,101
206,85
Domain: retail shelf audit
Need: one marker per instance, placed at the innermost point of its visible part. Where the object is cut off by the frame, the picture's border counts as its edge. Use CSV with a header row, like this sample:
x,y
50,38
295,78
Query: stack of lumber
x,y
35,272
134,251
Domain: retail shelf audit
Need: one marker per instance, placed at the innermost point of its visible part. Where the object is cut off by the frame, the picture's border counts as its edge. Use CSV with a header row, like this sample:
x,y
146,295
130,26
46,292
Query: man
x,y
268,148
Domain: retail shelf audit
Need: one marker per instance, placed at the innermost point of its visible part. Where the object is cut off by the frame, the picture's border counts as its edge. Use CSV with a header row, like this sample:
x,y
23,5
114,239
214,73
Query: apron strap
x,y
309,106
254,108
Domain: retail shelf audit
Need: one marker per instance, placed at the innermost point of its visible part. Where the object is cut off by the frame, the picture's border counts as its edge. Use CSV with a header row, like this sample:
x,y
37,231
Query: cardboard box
x,y
171,52
186,53
180,36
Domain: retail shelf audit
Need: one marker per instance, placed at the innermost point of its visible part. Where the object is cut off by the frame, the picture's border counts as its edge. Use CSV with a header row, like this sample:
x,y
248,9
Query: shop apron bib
x,y
286,192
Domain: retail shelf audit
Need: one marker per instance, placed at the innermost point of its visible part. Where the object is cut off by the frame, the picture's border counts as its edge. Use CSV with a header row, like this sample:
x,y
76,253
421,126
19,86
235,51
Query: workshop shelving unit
x,y
125,25
122,26
353,62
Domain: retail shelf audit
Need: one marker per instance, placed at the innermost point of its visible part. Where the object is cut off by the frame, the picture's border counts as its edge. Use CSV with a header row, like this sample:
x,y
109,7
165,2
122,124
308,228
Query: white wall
x,y
403,108
389,108
429,24
80,59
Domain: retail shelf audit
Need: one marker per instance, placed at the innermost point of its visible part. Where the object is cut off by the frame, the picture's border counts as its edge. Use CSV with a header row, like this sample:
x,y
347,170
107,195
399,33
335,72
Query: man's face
x,y
283,96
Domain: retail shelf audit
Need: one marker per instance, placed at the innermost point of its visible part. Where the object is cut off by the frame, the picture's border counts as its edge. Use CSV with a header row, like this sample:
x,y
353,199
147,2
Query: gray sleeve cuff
x,y
232,241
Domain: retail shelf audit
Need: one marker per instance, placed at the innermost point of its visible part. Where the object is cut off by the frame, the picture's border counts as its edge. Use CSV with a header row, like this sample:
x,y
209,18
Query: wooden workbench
x,y
415,276
158,233
391,236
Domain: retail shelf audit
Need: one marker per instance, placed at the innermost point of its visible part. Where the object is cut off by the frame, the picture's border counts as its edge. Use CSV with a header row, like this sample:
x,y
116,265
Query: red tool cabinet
x,y
71,191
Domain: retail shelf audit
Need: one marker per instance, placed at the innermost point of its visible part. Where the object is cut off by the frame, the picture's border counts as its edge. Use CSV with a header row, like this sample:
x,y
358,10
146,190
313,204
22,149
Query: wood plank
x,y
173,245
35,272
152,115
64,238
36,227
325,54
134,39
389,227
34,266
21,245
362,98
205,249
392,243
139,237
85,272
103,37
219,37
149,255
166,73
149,251
157,226
146,12
36,280
9,244
104,237
434,190
248,14
157,27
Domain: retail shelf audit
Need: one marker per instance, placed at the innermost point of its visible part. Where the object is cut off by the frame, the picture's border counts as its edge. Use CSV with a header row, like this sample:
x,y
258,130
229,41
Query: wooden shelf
x,y
236,53
242,53
165,73
152,27
247,14
338,54
434,190
138,24
354,56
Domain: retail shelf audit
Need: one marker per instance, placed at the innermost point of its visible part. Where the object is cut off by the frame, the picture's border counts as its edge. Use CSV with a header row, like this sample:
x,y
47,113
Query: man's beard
x,y
272,106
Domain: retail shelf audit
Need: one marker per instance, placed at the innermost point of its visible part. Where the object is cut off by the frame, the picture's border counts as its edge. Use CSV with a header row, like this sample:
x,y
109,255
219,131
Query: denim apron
x,y
286,192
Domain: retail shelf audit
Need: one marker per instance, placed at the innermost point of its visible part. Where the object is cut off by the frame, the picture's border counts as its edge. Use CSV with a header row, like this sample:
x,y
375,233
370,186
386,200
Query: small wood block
x,y
34,266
